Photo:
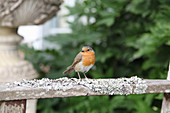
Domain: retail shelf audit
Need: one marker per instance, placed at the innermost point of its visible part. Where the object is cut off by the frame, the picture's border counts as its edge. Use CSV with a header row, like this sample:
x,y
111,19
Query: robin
x,y
83,62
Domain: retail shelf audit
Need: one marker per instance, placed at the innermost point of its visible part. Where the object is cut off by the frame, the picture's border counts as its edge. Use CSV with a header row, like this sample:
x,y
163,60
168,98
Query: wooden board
x,y
75,87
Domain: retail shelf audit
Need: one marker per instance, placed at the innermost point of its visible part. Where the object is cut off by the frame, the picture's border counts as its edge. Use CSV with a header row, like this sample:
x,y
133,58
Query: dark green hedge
x,y
130,38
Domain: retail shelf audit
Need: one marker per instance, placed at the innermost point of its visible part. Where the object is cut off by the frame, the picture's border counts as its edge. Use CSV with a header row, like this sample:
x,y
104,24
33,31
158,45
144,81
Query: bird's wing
x,y
70,69
77,59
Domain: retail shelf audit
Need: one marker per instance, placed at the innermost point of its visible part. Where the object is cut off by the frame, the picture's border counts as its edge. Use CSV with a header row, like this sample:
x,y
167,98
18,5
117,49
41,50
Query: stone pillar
x,y
12,68
14,13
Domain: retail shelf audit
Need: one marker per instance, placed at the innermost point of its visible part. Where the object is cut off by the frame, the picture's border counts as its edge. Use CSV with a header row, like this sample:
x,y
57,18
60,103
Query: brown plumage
x,y
82,62
70,69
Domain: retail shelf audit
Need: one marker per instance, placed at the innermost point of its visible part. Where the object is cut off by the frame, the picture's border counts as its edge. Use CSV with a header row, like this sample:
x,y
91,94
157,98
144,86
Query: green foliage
x,y
130,37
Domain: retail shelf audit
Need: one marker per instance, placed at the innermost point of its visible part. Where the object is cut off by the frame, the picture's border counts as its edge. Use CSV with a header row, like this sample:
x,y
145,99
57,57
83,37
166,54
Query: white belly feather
x,y
80,68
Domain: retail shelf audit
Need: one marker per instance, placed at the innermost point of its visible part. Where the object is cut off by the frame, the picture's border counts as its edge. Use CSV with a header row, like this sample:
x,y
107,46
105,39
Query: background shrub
x,y
130,38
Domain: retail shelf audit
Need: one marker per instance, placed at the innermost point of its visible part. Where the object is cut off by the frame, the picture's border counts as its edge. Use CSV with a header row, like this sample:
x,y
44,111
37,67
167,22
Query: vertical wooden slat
x,y
166,99
13,106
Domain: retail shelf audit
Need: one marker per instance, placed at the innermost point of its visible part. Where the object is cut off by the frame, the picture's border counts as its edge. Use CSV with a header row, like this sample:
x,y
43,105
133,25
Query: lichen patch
x,y
120,86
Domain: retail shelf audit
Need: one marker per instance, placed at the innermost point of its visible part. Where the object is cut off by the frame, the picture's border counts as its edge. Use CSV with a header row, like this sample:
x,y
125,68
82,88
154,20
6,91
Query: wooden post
x,y
166,98
13,106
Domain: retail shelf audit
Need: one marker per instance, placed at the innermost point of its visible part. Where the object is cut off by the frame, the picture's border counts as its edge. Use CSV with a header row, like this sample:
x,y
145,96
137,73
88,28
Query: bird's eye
x,y
88,50
82,51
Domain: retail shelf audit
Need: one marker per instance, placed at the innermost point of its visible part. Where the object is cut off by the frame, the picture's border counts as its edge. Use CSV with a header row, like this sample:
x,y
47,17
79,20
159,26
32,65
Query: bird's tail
x,y
69,70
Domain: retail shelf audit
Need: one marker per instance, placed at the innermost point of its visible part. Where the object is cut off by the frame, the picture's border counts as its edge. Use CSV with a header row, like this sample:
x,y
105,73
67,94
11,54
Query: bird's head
x,y
87,49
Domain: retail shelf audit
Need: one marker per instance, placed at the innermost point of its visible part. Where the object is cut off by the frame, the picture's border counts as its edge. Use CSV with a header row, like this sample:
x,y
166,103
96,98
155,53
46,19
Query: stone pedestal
x,y
14,13
12,68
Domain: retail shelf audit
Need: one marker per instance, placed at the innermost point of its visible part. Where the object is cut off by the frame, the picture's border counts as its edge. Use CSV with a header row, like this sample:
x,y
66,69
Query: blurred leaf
x,y
107,21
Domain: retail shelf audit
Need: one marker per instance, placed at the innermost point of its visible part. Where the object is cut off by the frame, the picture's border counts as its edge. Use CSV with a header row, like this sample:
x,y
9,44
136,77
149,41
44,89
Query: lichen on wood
x,y
121,86
72,87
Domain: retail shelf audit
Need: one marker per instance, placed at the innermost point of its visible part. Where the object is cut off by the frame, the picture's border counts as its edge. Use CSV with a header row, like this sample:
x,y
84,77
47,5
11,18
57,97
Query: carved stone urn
x,y
14,13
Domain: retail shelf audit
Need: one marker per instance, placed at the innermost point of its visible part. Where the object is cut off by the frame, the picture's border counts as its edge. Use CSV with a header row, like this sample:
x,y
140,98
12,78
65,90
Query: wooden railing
x,y
13,96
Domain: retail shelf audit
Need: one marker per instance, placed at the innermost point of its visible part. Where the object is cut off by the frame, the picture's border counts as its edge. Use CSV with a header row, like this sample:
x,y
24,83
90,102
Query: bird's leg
x,y
79,75
85,75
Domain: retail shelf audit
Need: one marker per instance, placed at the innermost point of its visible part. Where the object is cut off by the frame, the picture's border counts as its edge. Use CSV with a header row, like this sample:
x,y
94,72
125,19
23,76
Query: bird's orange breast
x,y
88,58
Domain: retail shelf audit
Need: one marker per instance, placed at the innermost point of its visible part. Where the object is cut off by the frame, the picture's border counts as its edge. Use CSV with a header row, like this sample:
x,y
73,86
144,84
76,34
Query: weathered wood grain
x,y
166,99
8,92
14,106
